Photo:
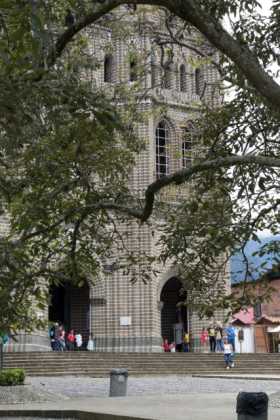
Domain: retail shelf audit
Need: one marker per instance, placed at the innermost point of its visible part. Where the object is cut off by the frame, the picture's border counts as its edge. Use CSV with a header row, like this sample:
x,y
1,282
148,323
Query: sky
x,y
266,4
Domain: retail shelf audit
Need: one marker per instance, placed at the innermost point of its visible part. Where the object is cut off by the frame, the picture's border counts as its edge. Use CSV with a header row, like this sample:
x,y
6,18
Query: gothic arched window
x,y
183,78
133,70
167,78
162,152
198,81
108,68
187,144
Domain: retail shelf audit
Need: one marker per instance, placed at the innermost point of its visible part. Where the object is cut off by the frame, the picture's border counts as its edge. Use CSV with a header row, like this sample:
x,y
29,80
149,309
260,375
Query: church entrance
x,y
174,321
70,306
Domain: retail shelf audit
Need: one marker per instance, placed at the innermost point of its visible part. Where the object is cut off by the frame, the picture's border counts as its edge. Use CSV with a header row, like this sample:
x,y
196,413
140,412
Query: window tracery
x,y
162,149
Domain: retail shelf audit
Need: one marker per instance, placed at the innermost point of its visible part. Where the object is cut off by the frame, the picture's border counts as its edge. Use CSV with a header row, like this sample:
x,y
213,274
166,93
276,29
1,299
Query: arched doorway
x,y
70,306
174,312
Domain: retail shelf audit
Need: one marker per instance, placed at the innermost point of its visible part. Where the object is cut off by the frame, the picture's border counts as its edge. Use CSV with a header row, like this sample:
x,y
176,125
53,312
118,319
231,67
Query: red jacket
x,y
71,338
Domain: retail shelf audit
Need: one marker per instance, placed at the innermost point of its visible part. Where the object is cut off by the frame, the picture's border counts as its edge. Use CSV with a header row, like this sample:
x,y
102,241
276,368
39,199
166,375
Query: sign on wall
x,y
125,320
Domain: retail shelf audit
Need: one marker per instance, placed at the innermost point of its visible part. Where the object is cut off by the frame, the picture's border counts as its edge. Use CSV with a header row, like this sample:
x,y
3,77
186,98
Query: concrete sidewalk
x,y
230,375
162,407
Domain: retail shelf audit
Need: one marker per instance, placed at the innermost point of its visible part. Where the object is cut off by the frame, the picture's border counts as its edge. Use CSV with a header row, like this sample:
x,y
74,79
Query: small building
x,y
264,318
268,334
244,324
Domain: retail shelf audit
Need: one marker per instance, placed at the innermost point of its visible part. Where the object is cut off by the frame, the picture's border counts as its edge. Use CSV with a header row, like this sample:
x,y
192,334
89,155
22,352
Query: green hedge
x,y
12,377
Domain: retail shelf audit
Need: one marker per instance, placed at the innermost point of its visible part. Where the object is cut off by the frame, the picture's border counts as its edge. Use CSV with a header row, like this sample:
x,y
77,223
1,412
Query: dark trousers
x,y
186,347
179,347
212,341
70,346
228,359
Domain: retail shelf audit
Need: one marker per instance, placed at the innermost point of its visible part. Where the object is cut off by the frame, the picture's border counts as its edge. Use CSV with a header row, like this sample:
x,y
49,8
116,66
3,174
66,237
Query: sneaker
x,y
227,367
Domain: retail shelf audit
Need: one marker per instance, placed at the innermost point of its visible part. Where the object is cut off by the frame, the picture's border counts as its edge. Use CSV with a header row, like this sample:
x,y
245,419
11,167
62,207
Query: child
x,y
165,345
228,354
79,341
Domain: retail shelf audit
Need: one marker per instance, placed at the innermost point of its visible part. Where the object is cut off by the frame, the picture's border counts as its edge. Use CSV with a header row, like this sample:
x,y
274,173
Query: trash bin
x,y
118,382
252,406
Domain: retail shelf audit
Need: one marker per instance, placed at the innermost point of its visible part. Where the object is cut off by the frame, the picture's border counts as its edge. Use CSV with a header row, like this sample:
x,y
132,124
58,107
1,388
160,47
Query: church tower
x,y
121,315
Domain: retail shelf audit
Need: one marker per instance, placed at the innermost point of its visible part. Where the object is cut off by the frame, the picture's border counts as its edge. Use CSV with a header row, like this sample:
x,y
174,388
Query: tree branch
x,y
189,11
183,175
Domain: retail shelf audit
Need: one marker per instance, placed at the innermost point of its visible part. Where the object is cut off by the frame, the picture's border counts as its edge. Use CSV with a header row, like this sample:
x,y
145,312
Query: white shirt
x,y
227,348
79,340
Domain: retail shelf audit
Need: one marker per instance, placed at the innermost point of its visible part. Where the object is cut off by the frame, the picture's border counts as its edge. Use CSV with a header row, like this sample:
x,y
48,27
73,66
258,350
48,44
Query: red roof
x,y
245,316
269,319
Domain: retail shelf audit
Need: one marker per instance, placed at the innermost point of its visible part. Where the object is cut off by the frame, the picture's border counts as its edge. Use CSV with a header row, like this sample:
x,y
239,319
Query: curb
x,y
230,376
63,414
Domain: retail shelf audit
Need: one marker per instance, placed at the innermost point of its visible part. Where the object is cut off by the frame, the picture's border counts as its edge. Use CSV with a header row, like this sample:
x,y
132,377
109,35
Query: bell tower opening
x,y
174,311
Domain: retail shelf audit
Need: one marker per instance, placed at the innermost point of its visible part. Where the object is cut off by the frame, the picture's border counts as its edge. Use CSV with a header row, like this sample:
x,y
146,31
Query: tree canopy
x,y
66,154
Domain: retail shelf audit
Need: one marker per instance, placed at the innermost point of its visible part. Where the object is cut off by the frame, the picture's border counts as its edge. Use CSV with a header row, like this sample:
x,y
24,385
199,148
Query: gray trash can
x,y
118,382
252,406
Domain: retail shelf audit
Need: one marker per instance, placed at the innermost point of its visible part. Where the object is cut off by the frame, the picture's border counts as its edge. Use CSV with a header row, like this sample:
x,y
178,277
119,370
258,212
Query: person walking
x,y
228,354
230,332
212,338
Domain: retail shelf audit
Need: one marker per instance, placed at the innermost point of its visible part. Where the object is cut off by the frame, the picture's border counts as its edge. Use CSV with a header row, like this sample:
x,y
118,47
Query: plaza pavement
x,y
153,398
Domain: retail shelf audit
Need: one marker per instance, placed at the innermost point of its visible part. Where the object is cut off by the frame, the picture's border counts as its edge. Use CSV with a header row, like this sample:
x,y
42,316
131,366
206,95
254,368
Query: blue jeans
x,y
186,347
232,342
228,359
219,345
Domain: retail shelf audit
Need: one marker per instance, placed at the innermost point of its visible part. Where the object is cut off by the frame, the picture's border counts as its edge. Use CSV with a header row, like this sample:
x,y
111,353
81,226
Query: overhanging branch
x,y
189,11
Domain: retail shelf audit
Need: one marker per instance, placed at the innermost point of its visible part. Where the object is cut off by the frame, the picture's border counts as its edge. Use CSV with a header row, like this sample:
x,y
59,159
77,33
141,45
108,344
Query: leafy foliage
x,y
67,150
10,377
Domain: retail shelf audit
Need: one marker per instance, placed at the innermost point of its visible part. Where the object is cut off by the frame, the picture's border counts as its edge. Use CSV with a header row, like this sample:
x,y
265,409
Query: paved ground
x,y
69,387
161,407
159,398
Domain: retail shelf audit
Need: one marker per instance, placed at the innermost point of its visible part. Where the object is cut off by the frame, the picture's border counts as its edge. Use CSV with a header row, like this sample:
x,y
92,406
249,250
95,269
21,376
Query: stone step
x,y
100,364
140,366
100,374
146,361
137,362
138,354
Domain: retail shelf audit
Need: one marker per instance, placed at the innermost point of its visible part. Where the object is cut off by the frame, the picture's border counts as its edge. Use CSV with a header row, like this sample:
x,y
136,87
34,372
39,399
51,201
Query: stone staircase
x,y
99,364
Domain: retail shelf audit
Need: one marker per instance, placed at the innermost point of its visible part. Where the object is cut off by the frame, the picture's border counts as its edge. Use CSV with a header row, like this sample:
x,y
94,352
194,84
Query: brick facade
x,y
126,316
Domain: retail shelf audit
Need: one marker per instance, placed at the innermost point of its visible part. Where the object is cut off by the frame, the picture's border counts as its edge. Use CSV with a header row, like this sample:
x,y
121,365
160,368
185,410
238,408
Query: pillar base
x,y
28,342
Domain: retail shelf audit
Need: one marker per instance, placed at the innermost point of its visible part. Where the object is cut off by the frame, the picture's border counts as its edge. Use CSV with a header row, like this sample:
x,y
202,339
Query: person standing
x,y
178,336
186,342
165,345
219,338
61,339
56,344
71,340
203,339
79,341
230,332
212,338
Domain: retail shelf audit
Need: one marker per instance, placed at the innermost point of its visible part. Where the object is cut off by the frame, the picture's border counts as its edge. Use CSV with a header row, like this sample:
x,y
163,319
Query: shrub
x,y
12,377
